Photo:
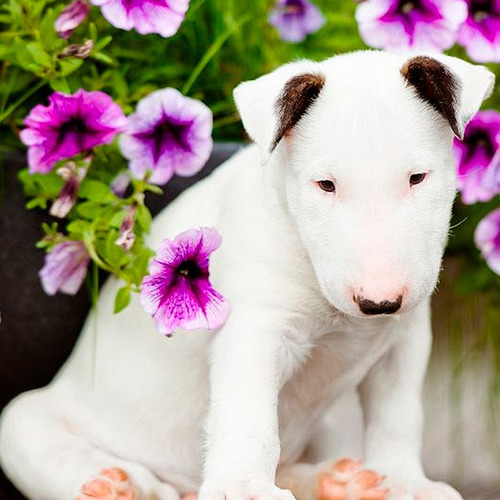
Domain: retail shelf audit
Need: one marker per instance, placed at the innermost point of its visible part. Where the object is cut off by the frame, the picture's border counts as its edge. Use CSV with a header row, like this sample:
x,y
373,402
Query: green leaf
x,y
60,84
89,210
77,226
36,203
69,65
94,190
103,42
143,217
122,299
39,55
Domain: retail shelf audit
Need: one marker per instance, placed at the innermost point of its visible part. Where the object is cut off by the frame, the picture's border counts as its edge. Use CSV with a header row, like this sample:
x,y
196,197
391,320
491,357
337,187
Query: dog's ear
x,y
271,105
454,88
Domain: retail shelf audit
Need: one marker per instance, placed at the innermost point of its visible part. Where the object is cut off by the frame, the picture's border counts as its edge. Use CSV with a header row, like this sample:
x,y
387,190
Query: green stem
x,y
16,104
211,52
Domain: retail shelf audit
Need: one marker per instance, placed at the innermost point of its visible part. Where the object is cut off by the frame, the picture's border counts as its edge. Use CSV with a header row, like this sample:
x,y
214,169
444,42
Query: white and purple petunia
x,y
145,16
69,125
71,17
295,19
65,268
177,292
487,238
480,34
416,24
169,133
477,157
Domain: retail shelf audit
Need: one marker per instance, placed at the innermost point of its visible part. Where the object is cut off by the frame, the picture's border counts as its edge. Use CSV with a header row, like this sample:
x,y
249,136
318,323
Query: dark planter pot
x,y
38,332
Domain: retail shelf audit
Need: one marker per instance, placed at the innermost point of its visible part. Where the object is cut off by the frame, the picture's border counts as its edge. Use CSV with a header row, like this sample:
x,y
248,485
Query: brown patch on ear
x,y
298,94
435,84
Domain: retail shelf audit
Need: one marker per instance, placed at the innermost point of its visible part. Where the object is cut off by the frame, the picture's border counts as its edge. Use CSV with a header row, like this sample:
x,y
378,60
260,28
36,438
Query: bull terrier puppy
x,y
333,225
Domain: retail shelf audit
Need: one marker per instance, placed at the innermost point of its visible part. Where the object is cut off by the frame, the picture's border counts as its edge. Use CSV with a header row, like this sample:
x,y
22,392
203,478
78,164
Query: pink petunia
x,y
416,24
478,159
70,125
65,268
177,292
145,16
487,238
169,133
480,34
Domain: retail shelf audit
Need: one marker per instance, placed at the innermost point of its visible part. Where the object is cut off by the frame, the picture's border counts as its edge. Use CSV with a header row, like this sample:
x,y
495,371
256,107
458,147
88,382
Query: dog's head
x,y
369,179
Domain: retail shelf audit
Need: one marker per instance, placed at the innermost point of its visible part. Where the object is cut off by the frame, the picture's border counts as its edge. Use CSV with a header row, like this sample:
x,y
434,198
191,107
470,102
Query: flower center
x,y
76,125
480,9
168,136
293,7
189,269
406,6
480,139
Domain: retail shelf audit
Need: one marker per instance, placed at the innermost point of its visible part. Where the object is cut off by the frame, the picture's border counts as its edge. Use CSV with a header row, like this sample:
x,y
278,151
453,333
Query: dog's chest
x,y
337,364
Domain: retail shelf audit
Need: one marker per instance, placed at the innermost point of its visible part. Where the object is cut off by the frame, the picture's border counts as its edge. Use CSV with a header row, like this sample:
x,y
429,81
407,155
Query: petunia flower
x,y
418,24
65,268
177,292
71,17
475,156
73,176
78,51
145,16
480,34
69,125
169,133
126,238
487,238
295,19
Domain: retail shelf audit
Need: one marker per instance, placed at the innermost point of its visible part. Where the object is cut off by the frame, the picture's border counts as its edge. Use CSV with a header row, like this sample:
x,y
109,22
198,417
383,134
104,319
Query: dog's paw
x,y
243,491
110,484
346,480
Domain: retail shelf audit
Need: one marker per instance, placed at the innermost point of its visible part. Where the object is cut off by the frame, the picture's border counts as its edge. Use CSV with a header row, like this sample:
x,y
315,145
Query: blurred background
x,y
60,46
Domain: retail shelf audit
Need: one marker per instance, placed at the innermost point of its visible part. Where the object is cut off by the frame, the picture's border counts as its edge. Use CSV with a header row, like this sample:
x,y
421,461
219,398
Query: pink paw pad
x,y
110,484
348,481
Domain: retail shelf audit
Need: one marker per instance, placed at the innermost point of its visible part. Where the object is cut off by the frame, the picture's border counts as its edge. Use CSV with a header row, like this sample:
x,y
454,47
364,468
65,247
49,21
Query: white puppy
x,y
333,230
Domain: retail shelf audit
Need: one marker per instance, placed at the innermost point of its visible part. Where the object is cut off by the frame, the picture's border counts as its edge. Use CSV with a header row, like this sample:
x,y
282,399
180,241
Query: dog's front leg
x,y
391,399
247,371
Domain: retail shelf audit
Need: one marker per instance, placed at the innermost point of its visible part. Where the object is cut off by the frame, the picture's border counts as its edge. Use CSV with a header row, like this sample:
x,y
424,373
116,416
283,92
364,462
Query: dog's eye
x,y
327,186
417,178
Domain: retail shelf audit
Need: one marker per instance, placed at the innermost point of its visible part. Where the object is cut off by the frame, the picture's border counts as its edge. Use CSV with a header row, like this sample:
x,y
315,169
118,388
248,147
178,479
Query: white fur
x,y
291,260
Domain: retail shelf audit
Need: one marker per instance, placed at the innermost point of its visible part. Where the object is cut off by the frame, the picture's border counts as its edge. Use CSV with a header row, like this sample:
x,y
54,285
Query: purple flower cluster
x,y
177,292
480,34
419,24
478,169
295,19
433,25
478,158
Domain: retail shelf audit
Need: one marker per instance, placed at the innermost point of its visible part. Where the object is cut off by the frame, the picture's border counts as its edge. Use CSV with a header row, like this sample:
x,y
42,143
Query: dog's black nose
x,y
385,307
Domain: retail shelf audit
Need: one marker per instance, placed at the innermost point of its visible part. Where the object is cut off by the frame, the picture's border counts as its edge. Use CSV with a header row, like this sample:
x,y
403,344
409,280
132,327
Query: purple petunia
x,y
480,34
295,19
178,293
477,158
487,238
65,268
419,24
69,125
71,17
145,16
169,133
